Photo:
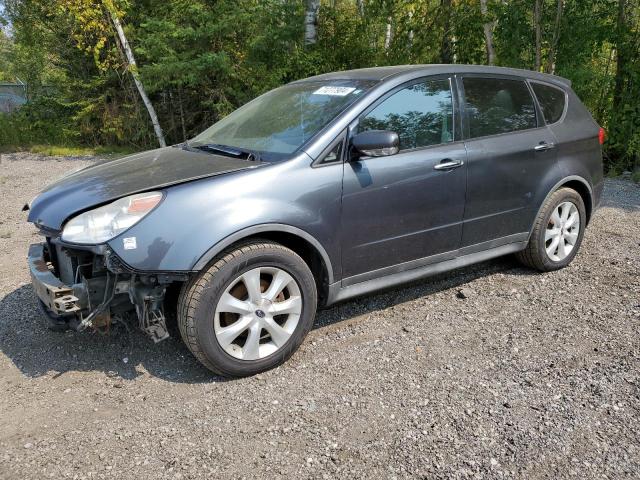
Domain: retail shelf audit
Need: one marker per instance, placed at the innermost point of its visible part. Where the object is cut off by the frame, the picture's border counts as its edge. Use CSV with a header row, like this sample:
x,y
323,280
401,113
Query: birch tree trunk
x,y
133,69
536,22
388,36
551,60
446,49
488,34
182,123
311,22
621,55
411,35
603,89
360,4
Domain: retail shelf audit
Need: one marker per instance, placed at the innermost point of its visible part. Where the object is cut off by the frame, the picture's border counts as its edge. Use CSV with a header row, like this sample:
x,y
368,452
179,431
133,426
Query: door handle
x,y
542,146
448,164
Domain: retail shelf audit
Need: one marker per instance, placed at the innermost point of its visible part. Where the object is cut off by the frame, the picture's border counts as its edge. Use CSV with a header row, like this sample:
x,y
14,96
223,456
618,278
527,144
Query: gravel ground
x,y
530,376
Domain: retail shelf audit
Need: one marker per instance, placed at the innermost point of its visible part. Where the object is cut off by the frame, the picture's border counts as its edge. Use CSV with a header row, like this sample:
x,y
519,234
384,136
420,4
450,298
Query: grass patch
x,y
67,151
62,151
635,176
613,172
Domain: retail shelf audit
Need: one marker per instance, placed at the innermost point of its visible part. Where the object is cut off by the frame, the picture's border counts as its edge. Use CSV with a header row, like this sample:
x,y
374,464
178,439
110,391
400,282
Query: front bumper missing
x,y
57,297
102,290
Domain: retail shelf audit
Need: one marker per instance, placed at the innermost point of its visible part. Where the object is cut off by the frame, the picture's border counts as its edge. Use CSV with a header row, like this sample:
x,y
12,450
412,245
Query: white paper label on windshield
x,y
336,91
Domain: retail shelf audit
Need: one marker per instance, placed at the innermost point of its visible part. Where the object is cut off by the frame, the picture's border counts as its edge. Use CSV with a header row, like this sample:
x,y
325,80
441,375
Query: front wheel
x,y
249,311
557,233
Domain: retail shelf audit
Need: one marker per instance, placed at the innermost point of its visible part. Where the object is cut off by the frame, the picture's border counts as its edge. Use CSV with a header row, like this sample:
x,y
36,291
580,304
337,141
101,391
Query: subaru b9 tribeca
x,y
316,192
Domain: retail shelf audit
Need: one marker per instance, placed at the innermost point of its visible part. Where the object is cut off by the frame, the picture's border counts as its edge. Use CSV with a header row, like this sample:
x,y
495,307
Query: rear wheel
x,y
249,311
557,233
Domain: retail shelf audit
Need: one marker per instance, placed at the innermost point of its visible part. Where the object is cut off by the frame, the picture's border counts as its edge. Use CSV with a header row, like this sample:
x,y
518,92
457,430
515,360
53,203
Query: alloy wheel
x,y
257,313
562,231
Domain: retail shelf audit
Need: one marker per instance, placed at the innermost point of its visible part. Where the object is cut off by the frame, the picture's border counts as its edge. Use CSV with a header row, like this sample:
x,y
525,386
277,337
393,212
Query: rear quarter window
x,y
498,105
551,100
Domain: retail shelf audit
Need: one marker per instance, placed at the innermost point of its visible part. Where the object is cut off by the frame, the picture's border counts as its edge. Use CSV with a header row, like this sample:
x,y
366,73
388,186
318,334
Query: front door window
x,y
421,115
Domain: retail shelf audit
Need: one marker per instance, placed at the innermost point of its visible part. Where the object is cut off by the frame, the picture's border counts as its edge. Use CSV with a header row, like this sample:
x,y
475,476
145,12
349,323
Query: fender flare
x,y
558,185
262,228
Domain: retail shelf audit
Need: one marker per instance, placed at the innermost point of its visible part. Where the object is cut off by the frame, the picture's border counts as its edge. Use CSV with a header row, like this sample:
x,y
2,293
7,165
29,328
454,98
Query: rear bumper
x,y
598,188
57,298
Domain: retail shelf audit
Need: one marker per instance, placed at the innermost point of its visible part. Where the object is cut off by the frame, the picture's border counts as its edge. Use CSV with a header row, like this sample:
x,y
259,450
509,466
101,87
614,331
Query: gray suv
x,y
316,192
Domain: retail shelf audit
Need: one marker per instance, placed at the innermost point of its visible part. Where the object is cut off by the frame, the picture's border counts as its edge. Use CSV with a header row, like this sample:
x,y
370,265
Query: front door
x,y
405,210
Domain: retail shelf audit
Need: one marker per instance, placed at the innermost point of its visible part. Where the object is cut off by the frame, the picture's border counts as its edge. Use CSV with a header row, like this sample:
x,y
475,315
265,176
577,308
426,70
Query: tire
x,y
202,317
536,254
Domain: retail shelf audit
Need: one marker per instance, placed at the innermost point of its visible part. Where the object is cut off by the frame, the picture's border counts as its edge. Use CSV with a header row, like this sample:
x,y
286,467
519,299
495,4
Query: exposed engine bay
x,y
89,287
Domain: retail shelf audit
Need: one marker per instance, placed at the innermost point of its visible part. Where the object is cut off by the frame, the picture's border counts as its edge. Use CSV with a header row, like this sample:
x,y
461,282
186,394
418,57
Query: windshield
x,y
281,121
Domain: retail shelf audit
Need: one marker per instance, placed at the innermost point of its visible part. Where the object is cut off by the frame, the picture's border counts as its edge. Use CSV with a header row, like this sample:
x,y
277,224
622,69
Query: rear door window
x,y
498,105
551,101
421,115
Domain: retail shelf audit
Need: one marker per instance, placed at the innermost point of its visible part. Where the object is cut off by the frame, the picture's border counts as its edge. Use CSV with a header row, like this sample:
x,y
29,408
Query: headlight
x,y
104,223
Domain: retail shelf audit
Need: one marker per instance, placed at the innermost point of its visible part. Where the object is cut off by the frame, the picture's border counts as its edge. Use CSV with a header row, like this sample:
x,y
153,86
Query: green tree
x,y
6,47
197,60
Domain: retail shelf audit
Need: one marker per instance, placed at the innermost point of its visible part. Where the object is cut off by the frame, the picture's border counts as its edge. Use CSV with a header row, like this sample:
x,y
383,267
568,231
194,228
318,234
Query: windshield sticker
x,y
336,91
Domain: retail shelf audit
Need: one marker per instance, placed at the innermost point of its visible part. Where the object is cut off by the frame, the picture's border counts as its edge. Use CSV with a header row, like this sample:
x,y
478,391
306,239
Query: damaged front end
x,y
80,287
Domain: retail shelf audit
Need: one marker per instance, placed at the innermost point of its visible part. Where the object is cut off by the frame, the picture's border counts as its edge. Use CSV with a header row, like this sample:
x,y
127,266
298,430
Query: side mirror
x,y
376,143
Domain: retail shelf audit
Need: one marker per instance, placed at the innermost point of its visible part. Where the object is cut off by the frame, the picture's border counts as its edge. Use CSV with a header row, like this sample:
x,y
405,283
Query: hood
x,y
108,181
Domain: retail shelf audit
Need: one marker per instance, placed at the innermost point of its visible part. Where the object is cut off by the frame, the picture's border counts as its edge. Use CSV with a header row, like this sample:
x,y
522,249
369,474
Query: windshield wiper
x,y
227,150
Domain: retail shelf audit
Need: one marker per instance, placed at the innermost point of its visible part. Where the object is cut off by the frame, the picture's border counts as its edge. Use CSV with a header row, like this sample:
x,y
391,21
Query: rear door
x,y
509,153
400,209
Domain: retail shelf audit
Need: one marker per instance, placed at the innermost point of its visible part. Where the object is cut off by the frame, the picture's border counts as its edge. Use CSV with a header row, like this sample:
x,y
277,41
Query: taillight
x,y
602,135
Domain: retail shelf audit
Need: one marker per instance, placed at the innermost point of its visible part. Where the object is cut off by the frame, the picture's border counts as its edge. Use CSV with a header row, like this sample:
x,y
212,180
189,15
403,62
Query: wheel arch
x,y
301,242
583,188
577,183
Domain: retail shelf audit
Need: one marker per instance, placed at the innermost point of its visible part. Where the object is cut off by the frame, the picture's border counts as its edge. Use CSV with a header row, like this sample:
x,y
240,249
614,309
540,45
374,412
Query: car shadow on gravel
x,y
452,280
127,353
124,353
